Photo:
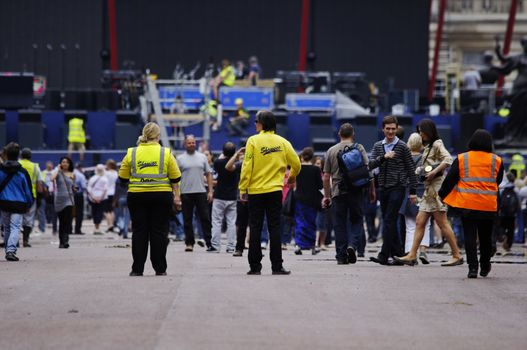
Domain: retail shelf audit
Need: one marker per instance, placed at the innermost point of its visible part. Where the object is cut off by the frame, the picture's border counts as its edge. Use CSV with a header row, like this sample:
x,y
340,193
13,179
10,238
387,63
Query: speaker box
x,y
30,129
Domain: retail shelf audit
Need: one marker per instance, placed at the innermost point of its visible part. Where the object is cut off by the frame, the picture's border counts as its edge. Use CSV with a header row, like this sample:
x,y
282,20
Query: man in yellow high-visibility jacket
x,y
226,77
76,137
34,174
261,181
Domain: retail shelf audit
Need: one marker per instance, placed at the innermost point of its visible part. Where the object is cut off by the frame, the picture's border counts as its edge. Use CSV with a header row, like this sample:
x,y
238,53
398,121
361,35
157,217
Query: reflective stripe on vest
x,y
160,175
477,188
467,179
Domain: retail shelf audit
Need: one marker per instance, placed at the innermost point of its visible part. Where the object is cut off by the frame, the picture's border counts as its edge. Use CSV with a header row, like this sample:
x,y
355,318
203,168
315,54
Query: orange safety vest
x,y
477,188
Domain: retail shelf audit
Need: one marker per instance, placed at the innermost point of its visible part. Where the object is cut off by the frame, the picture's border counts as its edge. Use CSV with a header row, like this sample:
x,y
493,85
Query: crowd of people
x,y
265,195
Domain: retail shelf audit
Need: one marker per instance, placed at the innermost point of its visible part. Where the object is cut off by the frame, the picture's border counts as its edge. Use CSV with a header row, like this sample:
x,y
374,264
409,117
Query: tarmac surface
x,y
83,298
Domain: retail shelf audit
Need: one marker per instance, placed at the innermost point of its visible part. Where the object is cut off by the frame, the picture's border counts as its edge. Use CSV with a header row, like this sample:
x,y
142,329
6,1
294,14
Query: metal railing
x,y
483,6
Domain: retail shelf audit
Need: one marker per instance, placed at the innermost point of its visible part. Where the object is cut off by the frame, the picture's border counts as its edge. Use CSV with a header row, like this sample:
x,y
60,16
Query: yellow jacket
x,y
266,158
34,173
76,131
149,168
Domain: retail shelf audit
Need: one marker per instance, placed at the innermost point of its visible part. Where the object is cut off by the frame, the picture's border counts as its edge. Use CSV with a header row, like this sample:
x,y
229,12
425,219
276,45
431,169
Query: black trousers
x,y
265,205
242,221
474,228
65,224
509,226
391,201
79,211
199,201
150,214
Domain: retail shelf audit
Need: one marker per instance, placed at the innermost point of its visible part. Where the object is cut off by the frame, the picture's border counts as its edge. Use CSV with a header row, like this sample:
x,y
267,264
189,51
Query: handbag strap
x,y
67,188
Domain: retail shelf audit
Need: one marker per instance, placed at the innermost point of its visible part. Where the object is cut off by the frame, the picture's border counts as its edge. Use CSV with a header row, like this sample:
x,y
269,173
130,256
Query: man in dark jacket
x,y
16,198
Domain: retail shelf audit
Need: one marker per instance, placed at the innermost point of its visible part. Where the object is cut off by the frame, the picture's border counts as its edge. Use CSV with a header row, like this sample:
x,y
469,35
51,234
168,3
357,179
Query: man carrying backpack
x,y
345,177
16,197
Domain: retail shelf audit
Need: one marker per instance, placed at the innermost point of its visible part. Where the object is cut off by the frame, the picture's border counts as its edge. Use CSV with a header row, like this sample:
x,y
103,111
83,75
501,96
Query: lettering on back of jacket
x,y
143,165
269,150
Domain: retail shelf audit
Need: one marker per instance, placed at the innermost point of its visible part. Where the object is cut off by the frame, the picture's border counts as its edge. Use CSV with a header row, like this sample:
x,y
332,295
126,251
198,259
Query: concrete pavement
x,y
83,298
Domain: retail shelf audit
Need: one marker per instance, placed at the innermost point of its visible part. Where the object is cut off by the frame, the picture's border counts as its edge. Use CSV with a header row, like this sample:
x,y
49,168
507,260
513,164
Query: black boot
x,y
472,272
26,230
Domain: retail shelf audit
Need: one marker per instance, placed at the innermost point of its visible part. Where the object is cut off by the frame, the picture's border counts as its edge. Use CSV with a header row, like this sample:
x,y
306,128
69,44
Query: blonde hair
x,y
415,142
151,131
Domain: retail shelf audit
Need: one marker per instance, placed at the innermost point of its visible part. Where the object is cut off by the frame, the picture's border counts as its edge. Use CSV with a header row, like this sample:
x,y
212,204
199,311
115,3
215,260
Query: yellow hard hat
x,y
238,101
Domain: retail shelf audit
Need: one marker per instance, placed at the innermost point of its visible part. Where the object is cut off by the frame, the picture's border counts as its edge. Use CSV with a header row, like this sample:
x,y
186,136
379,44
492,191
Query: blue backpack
x,y
354,171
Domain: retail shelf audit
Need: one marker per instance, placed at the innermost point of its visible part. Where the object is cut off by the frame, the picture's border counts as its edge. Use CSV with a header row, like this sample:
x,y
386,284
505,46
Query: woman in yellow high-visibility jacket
x,y
152,175
471,190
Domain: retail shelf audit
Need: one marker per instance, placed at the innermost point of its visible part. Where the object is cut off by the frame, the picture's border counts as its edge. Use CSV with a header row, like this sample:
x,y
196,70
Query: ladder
x,y
152,97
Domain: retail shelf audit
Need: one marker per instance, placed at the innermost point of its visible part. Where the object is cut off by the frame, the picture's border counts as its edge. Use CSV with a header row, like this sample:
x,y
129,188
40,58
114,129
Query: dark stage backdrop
x,y
55,22
384,38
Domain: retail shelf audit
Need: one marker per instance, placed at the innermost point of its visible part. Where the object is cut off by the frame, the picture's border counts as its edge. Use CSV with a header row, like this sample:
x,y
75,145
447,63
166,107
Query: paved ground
x,y
83,298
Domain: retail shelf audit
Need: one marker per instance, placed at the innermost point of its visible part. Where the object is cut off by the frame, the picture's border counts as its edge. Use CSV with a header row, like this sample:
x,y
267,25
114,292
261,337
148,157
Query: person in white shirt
x,y
111,175
97,194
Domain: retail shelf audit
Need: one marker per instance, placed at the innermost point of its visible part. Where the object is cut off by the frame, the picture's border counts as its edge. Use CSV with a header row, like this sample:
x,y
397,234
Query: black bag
x,y
288,207
509,203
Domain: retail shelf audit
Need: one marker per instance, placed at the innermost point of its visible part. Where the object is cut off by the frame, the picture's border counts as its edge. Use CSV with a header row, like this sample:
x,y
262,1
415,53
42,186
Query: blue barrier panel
x,y
254,98
310,102
11,124
298,130
192,98
492,122
101,128
55,133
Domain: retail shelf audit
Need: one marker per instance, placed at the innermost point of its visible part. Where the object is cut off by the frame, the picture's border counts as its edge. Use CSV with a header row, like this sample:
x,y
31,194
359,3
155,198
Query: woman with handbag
x,y
64,180
436,159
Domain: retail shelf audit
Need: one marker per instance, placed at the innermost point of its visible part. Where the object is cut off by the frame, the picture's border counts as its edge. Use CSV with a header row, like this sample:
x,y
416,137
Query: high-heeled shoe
x,y
406,261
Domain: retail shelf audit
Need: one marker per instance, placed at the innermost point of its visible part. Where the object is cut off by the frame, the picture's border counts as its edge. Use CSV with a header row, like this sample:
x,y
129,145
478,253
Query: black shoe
x,y
352,257
201,242
61,246
66,245
342,262
485,269
254,272
403,261
378,260
372,240
472,273
161,273
80,233
394,263
212,250
136,273
360,255
110,229
26,244
315,251
298,251
282,271
11,256
238,253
